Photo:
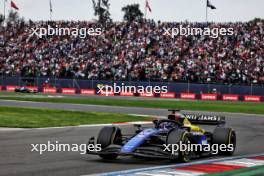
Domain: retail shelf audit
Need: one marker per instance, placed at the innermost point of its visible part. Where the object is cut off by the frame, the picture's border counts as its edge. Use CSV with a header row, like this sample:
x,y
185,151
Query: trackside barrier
x,y
68,91
49,90
11,88
127,94
209,96
32,88
252,98
146,94
230,97
188,96
87,92
168,95
107,94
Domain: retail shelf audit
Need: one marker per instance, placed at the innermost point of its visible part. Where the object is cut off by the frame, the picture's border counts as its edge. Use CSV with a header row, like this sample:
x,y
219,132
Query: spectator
x,y
135,51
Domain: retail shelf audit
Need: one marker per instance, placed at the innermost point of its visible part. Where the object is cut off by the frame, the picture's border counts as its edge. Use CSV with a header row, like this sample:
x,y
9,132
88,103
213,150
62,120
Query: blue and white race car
x,y
166,137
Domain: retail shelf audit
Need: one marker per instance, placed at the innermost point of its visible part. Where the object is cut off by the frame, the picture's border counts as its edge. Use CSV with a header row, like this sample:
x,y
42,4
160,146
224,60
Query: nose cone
x,y
139,139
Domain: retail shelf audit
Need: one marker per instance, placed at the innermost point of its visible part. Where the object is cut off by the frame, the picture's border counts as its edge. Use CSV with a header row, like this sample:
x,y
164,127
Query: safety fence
x,y
179,95
196,88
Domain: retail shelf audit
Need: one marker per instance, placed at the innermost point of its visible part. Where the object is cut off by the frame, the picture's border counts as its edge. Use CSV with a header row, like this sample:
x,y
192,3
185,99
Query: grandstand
x,y
135,51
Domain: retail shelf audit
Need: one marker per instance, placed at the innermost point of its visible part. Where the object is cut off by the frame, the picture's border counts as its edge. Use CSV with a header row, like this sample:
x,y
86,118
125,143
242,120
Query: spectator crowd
x,y
135,51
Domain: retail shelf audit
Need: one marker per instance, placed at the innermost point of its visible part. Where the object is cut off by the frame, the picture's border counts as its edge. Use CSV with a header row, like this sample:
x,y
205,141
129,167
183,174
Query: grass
x,y
37,118
214,106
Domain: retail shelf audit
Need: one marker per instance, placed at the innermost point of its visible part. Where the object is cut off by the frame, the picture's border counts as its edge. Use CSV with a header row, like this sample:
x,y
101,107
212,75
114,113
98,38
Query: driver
x,y
180,118
177,117
174,117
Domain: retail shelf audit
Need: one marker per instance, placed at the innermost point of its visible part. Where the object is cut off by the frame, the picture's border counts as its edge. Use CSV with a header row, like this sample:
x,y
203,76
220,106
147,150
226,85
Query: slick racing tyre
x,y
177,136
225,136
108,136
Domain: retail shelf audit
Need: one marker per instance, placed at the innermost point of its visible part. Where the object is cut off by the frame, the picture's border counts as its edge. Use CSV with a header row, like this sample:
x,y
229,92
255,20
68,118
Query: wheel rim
x,y
186,153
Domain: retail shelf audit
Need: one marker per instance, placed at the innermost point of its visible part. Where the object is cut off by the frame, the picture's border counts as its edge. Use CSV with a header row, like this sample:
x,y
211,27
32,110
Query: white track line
x,y
79,126
121,107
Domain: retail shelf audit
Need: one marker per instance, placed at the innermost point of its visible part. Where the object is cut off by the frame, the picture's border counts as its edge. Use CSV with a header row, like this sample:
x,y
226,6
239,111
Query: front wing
x,y
144,151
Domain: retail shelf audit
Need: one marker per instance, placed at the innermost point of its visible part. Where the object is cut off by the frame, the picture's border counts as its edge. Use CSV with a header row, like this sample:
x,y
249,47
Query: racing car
x,y
177,128
24,89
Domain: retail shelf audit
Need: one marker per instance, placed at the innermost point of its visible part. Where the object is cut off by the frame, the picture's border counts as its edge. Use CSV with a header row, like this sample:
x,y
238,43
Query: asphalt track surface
x,y
16,157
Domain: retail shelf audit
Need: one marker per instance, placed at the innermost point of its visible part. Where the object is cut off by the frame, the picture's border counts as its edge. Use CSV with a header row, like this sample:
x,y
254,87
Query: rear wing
x,y
202,119
206,119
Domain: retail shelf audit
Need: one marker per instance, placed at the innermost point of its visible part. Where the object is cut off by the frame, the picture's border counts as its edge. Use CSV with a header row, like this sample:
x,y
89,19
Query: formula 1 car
x,y
158,142
25,90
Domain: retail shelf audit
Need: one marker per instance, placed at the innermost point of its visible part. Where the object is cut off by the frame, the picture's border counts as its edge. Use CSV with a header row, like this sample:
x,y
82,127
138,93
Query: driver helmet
x,y
178,117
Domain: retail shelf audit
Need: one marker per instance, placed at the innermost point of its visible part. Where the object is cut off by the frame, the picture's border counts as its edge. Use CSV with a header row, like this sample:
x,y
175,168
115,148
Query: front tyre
x,y
108,136
178,136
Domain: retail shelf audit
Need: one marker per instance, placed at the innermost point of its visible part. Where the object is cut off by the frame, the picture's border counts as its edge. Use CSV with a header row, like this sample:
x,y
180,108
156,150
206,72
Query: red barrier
x,y
190,96
107,93
68,91
128,94
32,88
87,91
146,94
11,88
49,90
252,98
209,96
167,95
230,97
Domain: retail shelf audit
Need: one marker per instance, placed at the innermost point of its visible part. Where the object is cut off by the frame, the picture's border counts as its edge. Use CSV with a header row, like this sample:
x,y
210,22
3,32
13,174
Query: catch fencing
x,y
228,92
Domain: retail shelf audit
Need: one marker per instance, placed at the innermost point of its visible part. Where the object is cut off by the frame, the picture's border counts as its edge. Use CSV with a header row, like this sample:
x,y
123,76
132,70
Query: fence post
x,y
229,88
2,80
208,87
37,82
149,81
188,86
55,82
19,81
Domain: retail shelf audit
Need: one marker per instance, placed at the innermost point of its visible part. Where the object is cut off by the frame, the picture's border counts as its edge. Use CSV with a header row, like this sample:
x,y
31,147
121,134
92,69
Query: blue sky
x,y
164,10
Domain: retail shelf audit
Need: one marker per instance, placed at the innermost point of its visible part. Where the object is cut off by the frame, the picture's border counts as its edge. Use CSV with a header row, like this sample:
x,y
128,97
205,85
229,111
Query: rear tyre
x,y
226,136
177,136
108,136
